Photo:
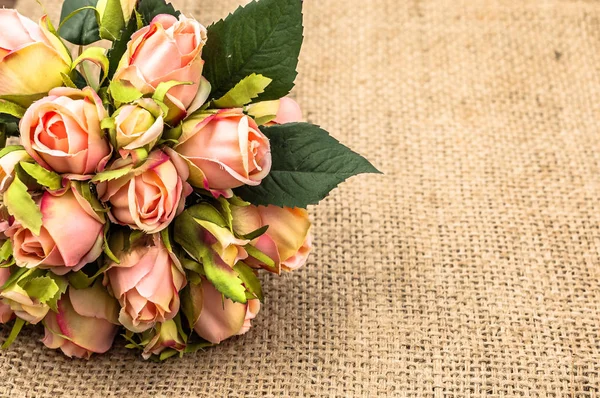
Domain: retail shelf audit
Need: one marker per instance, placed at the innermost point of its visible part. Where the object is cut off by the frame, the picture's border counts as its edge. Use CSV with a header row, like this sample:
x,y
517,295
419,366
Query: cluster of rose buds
x,y
119,213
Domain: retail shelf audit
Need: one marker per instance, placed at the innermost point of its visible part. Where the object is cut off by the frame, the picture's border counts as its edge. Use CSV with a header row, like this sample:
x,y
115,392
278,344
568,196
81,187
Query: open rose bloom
x,y
152,183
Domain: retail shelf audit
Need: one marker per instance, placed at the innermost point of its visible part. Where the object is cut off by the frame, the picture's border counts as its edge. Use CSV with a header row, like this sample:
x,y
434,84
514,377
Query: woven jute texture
x,y
470,269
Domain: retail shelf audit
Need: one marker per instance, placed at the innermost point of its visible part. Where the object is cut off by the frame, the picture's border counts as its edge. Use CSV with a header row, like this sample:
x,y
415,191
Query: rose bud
x,y
169,49
287,240
284,110
9,158
227,148
138,125
149,197
31,58
86,322
28,308
146,282
71,235
220,318
62,132
165,336
6,314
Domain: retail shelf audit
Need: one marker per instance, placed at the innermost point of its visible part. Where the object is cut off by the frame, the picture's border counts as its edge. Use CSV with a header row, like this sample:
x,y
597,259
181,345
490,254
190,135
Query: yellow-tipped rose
x,y
31,58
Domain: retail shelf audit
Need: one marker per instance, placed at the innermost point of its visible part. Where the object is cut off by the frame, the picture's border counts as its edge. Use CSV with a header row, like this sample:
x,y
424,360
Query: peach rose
x,y
222,318
6,314
11,157
86,322
149,197
146,282
287,241
31,58
284,110
71,235
227,149
168,50
62,131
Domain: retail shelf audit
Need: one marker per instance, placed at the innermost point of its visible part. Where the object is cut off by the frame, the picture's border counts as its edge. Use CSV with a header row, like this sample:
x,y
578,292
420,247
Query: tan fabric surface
x,y
471,269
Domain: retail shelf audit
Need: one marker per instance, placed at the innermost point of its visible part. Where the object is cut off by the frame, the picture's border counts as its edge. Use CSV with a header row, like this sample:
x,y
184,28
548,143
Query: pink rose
x,y
227,149
86,322
165,336
284,110
7,165
287,241
71,235
6,314
149,197
62,131
31,58
168,50
222,318
146,282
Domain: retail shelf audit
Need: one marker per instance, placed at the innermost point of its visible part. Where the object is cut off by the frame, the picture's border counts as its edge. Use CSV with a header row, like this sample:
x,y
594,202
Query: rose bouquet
x,y
154,176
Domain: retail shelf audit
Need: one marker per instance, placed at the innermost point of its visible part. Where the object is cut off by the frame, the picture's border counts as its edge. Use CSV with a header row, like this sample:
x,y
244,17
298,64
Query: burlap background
x,y
470,269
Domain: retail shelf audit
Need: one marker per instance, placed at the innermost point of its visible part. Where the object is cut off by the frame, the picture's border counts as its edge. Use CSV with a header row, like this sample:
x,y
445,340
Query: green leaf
x,y
13,333
20,204
263,37
187,232
244,92
151,8
79,280
123,91
249,279
12,109
109,175
224,279
119,47
42,288
81,27
307,164
207,212
44,177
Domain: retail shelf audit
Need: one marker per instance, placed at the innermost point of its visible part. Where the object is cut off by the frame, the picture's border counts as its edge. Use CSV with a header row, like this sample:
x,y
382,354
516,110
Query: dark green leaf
x,y
81,28
307,164
263,37
151,8
120,46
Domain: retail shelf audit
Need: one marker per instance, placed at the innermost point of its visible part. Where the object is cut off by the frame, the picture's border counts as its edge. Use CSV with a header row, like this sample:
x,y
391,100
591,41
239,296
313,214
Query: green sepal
x,y
10,108
97,55
42,288
79,280
21,205
62,284
109,175
6,251
244,92
44,177
249,279
16,329
112,20
11,148
123,92
163,88
224,279
260,256
255,234
207,212
194,347
67,81
191,303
